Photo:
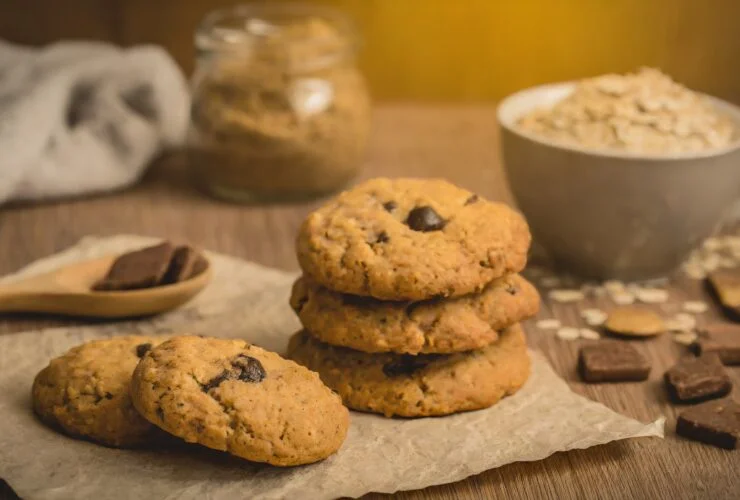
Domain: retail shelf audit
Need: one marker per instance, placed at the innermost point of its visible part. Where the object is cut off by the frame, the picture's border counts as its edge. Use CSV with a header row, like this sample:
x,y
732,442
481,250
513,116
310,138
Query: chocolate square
x,y
612,362
185,264
693,380
722,339
715,422
139,269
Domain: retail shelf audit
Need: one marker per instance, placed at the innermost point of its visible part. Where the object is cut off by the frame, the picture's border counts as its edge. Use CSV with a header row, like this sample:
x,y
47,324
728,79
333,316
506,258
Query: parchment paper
x,y
382,455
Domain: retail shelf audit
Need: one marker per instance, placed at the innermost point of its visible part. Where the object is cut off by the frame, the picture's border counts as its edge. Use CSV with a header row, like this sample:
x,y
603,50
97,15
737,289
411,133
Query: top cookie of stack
x,y
411,239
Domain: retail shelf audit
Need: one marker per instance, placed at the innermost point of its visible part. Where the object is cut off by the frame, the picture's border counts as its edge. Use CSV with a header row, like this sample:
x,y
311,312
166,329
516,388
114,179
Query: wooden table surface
x,y
459,143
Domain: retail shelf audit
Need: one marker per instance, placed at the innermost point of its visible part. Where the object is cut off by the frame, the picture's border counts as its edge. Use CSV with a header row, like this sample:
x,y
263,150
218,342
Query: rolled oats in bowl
x,y
642,112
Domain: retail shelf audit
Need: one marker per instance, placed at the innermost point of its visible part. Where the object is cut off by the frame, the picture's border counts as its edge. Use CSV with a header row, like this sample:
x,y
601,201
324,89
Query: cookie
x,y
85,392
139,269
232,396
411,239
433,326
422,385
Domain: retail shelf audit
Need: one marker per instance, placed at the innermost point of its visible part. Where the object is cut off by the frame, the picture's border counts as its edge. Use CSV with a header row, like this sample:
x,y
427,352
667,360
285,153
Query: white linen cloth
x,y
83,117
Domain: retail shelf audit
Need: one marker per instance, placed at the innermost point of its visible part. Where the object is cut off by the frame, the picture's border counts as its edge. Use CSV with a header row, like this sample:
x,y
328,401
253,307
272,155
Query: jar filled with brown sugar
x,y
280,109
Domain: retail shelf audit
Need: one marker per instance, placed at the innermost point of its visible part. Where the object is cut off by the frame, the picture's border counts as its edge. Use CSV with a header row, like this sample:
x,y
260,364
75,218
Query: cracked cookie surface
x,y
418,386
411,239
85,392
232,396
433,326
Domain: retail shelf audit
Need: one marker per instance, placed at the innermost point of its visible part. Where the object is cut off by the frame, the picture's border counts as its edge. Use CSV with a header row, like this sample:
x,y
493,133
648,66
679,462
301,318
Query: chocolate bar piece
x,y
612,362
720,338
185,264
693,380
715,422
139,269
725,284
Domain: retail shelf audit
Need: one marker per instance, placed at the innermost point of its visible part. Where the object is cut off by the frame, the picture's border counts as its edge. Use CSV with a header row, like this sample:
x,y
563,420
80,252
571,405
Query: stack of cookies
x,y
410,299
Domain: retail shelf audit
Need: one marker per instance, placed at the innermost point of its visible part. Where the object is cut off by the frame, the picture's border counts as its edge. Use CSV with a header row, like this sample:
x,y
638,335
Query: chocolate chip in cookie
x,y
474,198
425,219
407,364
244,368
390,206
142,349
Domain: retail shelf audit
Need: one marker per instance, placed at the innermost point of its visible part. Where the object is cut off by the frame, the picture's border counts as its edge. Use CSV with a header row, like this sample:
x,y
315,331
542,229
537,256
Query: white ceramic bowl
x,y
606,214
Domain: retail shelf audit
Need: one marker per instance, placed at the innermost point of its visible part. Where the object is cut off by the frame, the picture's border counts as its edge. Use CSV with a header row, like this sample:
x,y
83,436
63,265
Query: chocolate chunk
x,y
244,368
216,381
471,200
390,206
612,362
720,338
425,219
511,289
715,422
251,369
725,285
383,237
201,264
140,269
181,265
407,364
693,380
142,349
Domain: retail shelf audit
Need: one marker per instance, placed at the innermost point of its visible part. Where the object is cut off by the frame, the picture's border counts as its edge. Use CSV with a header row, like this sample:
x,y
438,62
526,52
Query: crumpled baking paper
x,y
380,455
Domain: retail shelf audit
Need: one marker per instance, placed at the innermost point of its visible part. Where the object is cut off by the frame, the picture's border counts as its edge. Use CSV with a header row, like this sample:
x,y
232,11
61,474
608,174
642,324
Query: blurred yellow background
x,y
450,50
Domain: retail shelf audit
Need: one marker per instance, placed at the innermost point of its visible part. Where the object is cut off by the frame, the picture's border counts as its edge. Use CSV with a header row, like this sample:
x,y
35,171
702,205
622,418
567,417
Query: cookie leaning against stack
x,y
410,298
224,394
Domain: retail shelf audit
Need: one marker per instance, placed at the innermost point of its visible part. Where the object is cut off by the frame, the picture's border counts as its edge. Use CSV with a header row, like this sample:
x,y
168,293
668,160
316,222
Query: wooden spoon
x,y
68,291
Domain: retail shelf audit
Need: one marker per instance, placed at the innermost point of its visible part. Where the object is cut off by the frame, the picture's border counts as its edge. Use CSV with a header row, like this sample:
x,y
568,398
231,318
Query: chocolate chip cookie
x,y
411,239
85,392
433,326
422,385
232,396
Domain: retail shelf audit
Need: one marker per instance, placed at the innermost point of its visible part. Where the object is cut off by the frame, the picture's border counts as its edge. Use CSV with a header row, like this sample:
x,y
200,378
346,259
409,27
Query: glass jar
x,y
280,110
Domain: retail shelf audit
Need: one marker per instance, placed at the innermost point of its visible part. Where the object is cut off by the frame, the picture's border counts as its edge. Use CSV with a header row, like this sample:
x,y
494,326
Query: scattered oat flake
x,y
727,262
550,281
695,307
685,338
589,334
614,286
548,324
712,244
593,317
566,295
568,333
680,323
623,298
651,295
